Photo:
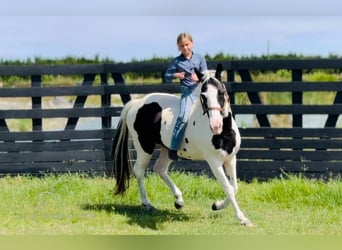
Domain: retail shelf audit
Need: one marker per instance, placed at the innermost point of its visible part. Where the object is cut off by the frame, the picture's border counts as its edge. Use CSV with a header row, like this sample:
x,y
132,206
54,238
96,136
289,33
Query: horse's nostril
x,y
216,130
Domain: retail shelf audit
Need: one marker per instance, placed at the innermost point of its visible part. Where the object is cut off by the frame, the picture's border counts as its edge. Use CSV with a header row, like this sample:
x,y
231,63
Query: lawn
x,y
75,204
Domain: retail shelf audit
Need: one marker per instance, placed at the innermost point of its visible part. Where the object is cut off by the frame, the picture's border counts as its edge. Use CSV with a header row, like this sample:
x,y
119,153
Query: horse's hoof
x,y
148,207
179,204
218,205
247,223
214,207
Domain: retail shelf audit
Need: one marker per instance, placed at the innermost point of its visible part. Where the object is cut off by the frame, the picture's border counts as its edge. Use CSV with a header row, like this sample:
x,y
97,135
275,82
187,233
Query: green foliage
x,y
320,76
19,124
56,61
132,76
284,74
154,59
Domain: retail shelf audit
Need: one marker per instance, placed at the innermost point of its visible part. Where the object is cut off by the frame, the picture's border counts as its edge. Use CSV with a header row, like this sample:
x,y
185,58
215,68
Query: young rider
x,y
183,67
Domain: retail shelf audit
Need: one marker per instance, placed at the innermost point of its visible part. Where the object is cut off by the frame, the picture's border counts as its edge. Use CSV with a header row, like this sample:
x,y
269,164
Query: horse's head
x,y
215,101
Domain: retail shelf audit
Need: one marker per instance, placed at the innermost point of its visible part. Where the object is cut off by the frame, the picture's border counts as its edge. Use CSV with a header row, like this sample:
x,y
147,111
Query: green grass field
x,y
74,204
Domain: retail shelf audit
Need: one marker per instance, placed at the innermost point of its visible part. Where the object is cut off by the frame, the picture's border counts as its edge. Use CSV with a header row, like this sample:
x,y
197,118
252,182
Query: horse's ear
x,y
199,74
219,69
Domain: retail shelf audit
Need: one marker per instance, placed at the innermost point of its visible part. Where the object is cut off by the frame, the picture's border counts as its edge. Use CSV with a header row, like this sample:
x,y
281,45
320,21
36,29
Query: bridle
x,y
206,110
222,91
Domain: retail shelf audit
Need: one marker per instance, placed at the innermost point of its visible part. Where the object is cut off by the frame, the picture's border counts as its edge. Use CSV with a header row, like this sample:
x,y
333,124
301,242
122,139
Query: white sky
x,y
123,30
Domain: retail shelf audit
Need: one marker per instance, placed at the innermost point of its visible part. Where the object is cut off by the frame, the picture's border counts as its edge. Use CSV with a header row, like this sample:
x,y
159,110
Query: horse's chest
x,y
199,141
195,144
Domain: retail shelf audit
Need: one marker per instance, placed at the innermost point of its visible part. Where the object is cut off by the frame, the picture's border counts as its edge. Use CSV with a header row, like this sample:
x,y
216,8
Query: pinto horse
x,y
211,135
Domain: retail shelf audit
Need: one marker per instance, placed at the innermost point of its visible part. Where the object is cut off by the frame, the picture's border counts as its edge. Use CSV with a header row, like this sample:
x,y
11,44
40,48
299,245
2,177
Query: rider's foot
x,y
173,154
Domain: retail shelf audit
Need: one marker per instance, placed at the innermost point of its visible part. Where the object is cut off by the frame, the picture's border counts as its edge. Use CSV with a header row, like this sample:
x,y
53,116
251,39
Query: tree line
x,y
97,59
68,60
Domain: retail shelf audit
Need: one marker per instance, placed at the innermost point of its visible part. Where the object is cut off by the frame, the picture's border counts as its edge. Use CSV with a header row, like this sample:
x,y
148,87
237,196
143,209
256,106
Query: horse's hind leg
x,y
139,169
161,167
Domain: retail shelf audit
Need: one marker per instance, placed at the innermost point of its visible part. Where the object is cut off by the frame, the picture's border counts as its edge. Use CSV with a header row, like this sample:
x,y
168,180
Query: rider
x,y
183,67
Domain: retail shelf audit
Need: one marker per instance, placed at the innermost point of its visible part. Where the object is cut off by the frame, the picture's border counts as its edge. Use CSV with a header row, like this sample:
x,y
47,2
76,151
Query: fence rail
x,y
267,150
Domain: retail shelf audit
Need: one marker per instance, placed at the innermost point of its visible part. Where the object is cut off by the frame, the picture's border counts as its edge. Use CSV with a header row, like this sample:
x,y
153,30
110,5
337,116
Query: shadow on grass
x,y
137,215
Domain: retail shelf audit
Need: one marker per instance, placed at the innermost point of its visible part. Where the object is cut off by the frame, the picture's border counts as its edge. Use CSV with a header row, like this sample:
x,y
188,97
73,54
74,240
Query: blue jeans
x,y
187,99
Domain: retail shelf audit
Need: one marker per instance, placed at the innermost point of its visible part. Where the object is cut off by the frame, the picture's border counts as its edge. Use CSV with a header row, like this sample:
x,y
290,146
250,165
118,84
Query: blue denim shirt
x,y
181,64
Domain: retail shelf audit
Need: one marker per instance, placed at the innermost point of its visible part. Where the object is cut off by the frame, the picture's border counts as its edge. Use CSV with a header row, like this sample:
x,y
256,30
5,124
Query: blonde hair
x,y
182,36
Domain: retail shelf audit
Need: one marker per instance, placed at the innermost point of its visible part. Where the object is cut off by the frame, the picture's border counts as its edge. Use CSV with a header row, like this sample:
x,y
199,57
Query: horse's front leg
x,y
230,167
218,171
161,167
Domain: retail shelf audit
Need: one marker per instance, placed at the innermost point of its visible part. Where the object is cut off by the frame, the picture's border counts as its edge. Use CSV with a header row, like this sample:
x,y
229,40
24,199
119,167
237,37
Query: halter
x,y
221,91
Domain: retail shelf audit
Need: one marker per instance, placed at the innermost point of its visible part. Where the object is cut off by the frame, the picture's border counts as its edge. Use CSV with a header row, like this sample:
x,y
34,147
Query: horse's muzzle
x,y
216,126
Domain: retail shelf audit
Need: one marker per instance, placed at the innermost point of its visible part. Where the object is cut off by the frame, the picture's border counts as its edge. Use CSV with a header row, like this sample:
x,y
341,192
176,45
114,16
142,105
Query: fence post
x,y
36,81
105,102
297,97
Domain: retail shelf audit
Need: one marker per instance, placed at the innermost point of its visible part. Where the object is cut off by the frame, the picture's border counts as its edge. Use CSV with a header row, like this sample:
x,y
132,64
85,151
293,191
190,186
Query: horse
x,y
211,135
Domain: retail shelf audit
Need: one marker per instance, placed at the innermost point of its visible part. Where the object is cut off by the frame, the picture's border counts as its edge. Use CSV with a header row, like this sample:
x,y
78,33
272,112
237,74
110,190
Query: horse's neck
x,y
197,90
197,104
197,107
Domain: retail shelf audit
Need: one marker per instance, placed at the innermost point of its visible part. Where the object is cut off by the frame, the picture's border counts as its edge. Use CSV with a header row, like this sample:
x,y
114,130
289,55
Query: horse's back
x,y
154,106
163,99
148,115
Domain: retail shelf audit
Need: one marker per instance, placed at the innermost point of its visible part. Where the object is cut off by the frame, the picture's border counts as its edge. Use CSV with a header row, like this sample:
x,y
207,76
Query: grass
x,y
74,204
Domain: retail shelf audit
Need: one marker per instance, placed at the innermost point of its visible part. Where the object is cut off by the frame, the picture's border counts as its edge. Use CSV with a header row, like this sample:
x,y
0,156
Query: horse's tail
x,y
120,154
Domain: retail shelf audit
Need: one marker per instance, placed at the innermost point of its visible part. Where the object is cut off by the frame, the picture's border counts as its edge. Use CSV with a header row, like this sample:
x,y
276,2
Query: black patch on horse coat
x,y
227,139
147,127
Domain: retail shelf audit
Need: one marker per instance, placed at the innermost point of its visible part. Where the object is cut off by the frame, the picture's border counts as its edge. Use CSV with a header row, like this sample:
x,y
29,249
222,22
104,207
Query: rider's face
x,y
185,47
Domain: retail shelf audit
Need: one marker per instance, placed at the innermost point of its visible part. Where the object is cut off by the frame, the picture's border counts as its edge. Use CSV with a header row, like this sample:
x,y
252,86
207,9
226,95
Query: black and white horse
x,y
211,135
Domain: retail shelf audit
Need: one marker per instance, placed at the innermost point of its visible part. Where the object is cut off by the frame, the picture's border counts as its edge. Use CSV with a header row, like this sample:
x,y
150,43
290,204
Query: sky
x,y
133,29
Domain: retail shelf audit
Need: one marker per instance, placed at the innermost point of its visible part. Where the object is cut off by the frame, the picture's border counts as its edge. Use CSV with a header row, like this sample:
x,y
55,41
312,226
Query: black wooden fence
x,y
267,151
311,149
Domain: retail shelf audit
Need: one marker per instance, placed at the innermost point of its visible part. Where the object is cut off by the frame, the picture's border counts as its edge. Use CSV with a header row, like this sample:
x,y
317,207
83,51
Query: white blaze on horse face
x,y
216,122
215,117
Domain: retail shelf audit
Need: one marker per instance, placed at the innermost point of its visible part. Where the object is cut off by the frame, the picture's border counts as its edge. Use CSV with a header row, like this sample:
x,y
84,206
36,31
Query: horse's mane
x,y
207,75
